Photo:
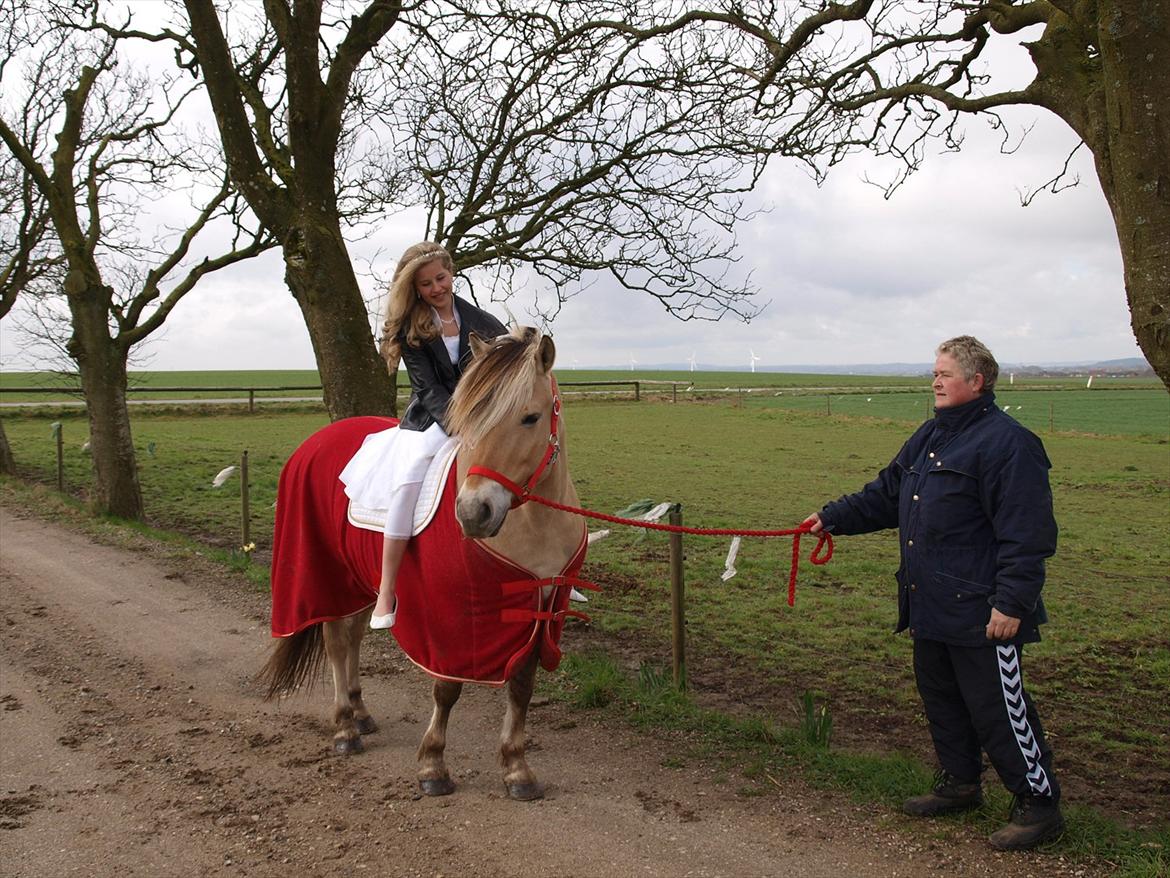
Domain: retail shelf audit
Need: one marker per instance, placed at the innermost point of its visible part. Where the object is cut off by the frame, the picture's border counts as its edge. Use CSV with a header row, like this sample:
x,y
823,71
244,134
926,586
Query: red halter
x,y
551,451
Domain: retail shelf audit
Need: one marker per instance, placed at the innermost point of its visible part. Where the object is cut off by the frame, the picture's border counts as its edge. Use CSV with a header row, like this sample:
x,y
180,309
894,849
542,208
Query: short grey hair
x,y
973,358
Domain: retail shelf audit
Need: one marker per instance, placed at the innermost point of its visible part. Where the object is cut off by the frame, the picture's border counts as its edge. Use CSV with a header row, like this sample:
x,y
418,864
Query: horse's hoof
x,y
525,792
348,746
366,725
442,786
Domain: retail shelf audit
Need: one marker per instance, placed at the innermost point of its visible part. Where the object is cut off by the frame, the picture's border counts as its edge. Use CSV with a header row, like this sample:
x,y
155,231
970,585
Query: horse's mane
x,y
495,386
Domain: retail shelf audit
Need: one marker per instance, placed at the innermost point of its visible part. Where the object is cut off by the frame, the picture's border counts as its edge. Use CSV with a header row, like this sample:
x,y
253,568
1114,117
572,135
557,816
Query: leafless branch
x,y
1058,183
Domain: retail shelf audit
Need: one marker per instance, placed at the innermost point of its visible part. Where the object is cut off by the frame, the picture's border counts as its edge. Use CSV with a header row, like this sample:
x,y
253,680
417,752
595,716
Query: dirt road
x,y
134,742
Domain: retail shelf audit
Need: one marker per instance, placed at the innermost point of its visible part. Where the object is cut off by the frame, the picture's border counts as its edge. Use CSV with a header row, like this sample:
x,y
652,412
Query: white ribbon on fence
x,y
222,476
729,564
657,512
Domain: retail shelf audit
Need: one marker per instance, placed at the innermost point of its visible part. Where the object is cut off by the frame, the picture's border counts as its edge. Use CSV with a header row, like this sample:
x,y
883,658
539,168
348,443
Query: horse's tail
x,y
295,660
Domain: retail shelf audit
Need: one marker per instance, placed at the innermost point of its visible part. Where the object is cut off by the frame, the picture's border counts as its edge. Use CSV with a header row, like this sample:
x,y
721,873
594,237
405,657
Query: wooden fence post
x,y
678,613
57,433
251,400
637,391
245,514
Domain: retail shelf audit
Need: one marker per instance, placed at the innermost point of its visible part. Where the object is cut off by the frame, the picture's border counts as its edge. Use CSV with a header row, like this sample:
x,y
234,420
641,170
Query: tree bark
x,y
1104,68
101,362
320,274
1134,163
7,462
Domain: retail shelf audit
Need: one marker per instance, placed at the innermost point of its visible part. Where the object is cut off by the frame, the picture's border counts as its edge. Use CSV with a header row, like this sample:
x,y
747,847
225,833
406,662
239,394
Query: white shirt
x,y
451,342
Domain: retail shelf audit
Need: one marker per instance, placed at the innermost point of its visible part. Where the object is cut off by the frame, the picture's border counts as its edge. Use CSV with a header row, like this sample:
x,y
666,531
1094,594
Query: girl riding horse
x,y
510,566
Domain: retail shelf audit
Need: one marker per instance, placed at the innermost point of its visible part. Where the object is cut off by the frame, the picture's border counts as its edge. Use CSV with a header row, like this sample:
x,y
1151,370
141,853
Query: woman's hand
x,y
814,523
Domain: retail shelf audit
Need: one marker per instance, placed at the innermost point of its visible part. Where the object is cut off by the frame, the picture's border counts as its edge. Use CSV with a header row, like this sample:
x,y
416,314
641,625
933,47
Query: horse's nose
x,y
481,515
477,517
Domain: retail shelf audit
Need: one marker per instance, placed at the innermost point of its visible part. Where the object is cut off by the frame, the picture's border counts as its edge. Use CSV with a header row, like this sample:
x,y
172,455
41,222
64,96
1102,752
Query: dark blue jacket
x,y
969,495
432,374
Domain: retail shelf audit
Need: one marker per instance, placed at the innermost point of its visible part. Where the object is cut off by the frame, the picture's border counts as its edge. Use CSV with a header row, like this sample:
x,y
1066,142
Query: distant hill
x,y
1128,367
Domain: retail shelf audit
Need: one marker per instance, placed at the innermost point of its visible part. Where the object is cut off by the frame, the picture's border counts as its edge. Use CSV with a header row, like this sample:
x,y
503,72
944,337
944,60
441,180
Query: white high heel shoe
x,y
380,622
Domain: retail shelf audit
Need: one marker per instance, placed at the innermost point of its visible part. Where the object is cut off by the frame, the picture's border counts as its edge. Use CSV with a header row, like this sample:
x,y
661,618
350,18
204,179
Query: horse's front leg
x,y
433,778
519,779
343,639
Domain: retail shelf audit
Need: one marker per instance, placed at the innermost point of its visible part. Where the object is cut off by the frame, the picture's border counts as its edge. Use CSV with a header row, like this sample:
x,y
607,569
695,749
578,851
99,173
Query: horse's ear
x,y
478,345
547,353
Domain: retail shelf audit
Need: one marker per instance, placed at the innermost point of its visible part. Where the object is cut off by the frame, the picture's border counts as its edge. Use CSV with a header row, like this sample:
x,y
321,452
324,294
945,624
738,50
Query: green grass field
x,y
1122,406
760,461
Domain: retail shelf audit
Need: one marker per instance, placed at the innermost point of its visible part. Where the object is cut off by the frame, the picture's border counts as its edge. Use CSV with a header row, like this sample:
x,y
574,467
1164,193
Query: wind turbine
x,y
755,359
691,360
633,362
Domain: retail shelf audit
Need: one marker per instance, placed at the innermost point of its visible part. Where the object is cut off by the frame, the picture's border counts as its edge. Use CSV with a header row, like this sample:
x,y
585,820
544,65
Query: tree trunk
x,y
116,490
319,273
1134,165
101,362
7,463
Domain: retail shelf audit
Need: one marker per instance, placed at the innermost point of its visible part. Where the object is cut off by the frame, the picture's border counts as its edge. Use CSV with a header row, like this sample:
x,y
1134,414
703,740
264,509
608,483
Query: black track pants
x,y
975,700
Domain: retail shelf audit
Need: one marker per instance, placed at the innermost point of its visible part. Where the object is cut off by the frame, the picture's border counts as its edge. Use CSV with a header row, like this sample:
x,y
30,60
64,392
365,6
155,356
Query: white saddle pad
x,y
429,495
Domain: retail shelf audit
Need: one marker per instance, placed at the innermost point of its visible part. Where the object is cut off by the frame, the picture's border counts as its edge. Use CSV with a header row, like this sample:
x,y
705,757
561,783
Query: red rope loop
x,y
824,538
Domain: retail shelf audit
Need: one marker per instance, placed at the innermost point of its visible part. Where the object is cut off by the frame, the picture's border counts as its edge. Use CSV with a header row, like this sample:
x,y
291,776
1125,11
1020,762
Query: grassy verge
x,y
755,751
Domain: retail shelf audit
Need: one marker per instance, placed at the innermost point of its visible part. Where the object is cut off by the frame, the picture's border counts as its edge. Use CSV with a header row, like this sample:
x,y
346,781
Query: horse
x,y
505,413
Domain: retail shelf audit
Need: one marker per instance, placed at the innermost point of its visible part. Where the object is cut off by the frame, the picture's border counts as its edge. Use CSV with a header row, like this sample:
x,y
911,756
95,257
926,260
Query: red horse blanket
x,y
465,612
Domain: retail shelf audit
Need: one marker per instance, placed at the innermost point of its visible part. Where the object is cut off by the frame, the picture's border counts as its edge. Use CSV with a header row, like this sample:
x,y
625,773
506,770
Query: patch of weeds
x,y
653,679
816,723
1136,854
760,731
595,680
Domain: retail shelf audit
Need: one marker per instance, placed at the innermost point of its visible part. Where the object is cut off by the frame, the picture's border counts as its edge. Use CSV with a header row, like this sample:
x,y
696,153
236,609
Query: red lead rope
x,y
824,542
523,494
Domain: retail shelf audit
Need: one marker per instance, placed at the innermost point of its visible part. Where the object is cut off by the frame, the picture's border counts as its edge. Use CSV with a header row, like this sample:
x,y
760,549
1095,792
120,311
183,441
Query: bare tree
x,y
27,257
93,142
543,141
552,142
895,78
280,93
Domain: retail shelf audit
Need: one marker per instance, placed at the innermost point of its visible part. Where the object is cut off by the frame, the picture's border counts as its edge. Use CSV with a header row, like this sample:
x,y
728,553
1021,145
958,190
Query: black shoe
x,y
1034,820
949,796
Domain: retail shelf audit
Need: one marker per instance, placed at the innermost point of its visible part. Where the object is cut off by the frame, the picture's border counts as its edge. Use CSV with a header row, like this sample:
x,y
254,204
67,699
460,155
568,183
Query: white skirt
x,y
387,462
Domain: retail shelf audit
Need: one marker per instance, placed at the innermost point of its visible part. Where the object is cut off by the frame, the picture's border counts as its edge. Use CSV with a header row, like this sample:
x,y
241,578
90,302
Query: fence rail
x,y
252,392
1126,410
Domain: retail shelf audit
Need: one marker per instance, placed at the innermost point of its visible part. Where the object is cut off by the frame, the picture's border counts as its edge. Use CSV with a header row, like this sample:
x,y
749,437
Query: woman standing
x,y
427,326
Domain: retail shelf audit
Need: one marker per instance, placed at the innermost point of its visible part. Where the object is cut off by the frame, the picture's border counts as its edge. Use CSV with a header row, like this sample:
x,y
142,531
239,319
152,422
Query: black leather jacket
x,y
432,374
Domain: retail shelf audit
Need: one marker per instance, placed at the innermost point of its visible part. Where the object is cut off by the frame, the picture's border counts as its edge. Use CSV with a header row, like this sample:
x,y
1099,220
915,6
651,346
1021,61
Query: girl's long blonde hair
x,y
404,308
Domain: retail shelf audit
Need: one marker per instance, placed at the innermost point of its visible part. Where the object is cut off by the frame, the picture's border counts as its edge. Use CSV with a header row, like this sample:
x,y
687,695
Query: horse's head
x,y
503,413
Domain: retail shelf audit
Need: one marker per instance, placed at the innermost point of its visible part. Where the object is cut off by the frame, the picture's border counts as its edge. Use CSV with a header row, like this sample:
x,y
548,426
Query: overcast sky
x,y
847,277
